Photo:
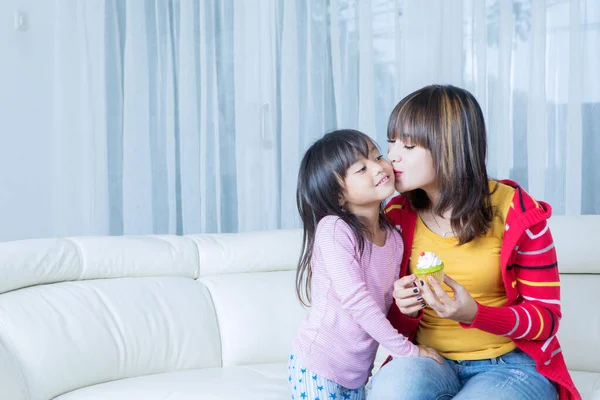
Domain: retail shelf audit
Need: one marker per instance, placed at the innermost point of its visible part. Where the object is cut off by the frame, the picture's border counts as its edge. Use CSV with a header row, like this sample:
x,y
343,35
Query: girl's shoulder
x,y
332,225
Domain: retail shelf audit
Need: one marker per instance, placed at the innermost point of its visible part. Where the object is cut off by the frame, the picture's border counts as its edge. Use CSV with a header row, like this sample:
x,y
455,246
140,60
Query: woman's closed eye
x,y
406,146
379,158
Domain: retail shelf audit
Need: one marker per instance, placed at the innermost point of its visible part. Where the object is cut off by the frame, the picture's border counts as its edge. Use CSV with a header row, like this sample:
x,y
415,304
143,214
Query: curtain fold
x,y
189,116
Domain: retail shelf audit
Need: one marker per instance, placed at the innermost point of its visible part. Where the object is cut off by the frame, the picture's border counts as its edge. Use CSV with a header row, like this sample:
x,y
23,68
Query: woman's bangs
x,y
411,125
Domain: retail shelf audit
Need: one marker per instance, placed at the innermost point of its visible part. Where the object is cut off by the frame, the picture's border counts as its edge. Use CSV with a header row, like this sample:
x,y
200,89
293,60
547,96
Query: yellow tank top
x,y
476,266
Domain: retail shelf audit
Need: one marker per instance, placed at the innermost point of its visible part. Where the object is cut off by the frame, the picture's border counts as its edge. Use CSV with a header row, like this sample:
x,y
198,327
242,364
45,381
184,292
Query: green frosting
x,y
429,270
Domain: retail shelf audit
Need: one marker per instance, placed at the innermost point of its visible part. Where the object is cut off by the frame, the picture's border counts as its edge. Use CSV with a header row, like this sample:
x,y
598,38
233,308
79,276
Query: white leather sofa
x,y
201,316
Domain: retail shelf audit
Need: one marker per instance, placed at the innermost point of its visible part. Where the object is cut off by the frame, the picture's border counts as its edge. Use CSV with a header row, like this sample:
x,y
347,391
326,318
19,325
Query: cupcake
x,y
429,264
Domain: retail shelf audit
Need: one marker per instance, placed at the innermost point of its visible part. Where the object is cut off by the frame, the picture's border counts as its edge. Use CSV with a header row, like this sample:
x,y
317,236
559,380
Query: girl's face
x,y
413,166
368,182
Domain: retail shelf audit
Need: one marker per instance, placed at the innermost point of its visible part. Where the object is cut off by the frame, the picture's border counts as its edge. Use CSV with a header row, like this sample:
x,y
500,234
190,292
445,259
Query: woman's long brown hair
x,y
448,121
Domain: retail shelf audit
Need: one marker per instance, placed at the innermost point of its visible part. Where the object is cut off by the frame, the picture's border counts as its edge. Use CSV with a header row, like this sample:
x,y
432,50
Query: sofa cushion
x,y
258,315
576,240
579,331
233,253
74,334
588,384
265,382
27,263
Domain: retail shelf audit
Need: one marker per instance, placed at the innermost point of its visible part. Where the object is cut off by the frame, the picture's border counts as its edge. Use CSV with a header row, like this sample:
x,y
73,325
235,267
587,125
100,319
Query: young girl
x,y
495,321
350,260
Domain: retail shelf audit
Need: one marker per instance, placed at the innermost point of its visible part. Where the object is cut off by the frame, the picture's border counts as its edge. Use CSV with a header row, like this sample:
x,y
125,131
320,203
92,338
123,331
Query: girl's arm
x,y
336,250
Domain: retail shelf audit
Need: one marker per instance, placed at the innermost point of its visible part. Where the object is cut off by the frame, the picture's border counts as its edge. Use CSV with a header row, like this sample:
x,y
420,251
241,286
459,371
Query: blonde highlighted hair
x,y
448,121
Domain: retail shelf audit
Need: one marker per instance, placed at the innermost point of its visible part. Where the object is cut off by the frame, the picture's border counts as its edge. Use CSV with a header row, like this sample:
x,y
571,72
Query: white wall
x,y
25,112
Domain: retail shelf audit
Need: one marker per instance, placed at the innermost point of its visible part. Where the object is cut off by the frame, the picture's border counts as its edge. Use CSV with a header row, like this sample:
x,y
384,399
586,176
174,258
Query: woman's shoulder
x,y
398,211
520,205
502,193
397,202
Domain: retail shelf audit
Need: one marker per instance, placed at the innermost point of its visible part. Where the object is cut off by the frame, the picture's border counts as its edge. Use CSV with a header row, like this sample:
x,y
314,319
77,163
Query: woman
x,y
495,322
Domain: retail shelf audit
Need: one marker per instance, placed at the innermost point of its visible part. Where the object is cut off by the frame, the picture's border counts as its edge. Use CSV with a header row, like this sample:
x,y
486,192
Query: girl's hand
x,y
428,352
461,308
408,296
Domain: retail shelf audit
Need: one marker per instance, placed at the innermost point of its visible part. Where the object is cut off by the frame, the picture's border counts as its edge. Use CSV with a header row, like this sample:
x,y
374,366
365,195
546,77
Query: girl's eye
x,y
379,158
407,147
363,169
391,140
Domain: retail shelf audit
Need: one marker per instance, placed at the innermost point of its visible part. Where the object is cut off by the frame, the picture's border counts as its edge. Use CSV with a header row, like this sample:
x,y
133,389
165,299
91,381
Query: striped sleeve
x,y
337,249
537,314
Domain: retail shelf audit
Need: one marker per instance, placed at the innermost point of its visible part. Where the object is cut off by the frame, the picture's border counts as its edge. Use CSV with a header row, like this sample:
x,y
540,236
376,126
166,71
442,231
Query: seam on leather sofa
x,y
10,348
217,318
80,256
197,274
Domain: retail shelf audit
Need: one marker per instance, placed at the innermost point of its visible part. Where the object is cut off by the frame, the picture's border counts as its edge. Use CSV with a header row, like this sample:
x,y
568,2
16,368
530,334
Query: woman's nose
x,y
393,157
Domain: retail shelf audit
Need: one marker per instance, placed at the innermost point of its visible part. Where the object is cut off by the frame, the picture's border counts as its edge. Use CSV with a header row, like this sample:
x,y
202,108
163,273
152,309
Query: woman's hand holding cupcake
x,y
407,294
461,308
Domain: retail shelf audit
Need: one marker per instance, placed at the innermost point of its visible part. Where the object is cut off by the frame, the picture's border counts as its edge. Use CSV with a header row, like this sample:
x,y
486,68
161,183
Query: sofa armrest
x,y
12,380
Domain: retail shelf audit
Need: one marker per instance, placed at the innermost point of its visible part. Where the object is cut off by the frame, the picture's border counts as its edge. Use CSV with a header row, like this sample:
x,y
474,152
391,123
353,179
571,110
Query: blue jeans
x,y
508,377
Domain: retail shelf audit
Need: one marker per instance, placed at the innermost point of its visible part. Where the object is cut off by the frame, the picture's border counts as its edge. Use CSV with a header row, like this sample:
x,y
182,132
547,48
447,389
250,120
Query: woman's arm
x,y
406,311
537,314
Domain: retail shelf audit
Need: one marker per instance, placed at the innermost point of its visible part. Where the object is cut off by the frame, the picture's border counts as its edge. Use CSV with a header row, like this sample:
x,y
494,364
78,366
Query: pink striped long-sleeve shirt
x,y
339,336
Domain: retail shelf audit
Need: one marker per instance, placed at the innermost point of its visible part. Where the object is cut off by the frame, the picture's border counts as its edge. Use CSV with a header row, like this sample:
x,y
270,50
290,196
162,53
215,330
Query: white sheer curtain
x,y
166,116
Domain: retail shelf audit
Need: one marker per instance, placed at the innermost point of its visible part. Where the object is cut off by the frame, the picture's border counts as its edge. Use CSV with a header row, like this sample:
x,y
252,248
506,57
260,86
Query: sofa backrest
x,y
577,241
251,280
80,311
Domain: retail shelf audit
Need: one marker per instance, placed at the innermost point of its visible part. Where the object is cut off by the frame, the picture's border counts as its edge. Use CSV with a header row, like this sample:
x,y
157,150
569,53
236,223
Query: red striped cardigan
x,y
532,313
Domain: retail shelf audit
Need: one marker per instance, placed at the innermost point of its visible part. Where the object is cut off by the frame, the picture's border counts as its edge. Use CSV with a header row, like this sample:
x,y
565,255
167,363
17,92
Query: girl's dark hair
x,y
320,187
448,121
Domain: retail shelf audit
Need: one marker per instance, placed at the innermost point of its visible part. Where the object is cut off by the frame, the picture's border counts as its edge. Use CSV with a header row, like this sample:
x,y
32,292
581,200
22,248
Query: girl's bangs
x,y
353,148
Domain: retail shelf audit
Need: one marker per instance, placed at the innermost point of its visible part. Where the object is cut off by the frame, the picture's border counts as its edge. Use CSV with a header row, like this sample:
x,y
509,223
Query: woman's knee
x,y
414,378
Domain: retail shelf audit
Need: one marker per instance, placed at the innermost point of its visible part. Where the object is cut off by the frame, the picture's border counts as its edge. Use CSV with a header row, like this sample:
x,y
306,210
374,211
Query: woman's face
x,y
413,166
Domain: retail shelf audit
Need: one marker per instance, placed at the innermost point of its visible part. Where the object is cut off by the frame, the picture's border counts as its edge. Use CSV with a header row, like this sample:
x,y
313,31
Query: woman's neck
x,y
433,194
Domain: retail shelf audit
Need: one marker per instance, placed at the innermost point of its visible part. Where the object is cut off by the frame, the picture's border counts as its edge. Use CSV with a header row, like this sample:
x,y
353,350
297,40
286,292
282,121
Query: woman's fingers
x,y
405,282
411,311
439,291
410,302
405,288
429,296
407,293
